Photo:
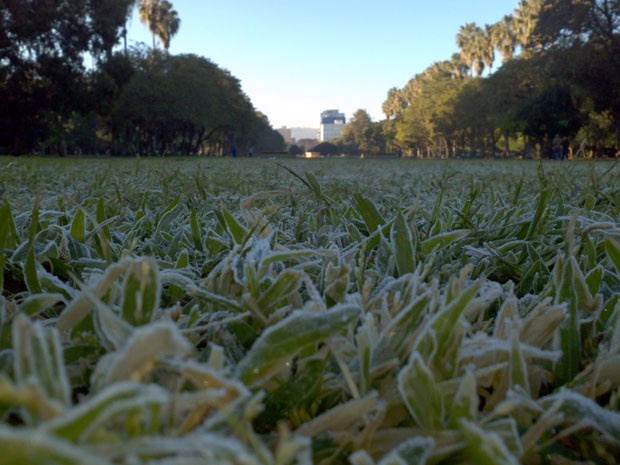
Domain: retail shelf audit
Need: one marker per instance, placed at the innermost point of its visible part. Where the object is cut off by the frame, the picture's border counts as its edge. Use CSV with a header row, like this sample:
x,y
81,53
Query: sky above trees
x,y
296,59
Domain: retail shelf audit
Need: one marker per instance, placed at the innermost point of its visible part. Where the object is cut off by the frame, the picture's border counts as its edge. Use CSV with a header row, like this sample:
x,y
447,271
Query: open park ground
x,y
263,311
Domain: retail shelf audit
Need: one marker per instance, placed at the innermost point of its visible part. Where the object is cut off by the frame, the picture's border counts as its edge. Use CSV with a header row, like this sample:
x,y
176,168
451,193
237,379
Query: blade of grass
x,y
279,343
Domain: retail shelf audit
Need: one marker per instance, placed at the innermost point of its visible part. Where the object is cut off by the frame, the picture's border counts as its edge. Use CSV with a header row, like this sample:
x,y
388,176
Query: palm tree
x,y
439,69
460,68
161,18
147,9
169,24
412,89
465,41
486,48
525,19
504,37
395,103
475,47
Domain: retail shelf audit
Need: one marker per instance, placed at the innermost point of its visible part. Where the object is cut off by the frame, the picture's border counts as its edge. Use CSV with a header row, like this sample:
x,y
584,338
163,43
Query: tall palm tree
x,y
412,89
161,18
465,41
148,12
475,49
486,48
503,37
525,19
168,25
460,68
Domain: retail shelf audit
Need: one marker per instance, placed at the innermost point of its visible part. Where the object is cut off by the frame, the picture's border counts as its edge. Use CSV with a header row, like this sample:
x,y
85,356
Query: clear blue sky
x,y
296,58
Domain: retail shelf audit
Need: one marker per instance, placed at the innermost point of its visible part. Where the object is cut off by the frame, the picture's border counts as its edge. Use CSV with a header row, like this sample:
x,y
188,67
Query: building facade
x,y
332,122
287,133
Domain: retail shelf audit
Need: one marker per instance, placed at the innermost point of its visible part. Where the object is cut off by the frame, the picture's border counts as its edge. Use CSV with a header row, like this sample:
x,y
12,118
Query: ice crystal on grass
x,y
353,311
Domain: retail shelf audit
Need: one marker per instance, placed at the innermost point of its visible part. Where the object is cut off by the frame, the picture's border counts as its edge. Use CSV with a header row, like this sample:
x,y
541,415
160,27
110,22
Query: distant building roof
x,y
332,117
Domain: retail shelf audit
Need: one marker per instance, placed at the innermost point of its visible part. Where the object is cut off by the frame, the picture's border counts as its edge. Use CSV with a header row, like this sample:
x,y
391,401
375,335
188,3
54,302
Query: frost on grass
x,y
367,312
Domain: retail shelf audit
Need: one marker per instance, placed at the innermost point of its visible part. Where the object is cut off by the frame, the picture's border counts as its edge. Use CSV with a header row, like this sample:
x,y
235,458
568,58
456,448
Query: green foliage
x,y
185,105
42,49
136,102
326,149
556,77
369,313
361,135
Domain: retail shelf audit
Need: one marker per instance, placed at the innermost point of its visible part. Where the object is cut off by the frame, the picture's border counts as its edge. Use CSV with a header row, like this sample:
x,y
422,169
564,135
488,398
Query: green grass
x,y
260,311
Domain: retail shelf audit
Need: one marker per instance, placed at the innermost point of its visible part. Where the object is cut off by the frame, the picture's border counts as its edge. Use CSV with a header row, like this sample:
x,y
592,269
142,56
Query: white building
x,y
332,122
287,133
304,133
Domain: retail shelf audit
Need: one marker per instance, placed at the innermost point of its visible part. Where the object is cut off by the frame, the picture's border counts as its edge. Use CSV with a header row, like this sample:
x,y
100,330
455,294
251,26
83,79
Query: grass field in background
x,y
263,311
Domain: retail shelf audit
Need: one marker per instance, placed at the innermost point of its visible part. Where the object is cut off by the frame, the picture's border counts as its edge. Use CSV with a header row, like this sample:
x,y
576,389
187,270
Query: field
x,y
179,312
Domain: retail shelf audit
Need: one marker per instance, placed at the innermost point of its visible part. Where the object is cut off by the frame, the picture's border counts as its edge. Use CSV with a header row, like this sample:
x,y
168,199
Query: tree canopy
x,y
136,101
42,50
559,74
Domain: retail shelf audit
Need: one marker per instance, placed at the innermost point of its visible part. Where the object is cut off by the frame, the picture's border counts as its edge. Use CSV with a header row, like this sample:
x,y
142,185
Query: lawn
x,y
263,311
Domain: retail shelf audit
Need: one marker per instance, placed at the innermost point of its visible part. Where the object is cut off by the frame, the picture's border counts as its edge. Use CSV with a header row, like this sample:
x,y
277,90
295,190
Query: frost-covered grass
x,y
329,311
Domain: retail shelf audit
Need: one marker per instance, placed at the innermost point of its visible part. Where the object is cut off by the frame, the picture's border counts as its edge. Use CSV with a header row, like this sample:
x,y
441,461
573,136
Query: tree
x,y
466,41
525,19
109,19
586,33
476,47
504,38
42,75
266,139
426,126
486,46
358,133
295,150
168,25
560,74
564,25
326,149
185,104
149,15
460,68
394,104
549,112
161,19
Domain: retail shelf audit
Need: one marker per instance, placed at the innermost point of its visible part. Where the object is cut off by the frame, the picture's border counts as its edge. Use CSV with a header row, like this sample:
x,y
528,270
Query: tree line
x,y
69,83
559,77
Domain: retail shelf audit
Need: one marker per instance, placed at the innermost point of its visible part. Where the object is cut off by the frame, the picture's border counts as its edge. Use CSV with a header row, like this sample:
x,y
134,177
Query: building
x,y
292,135
304,133
332,122
287,134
